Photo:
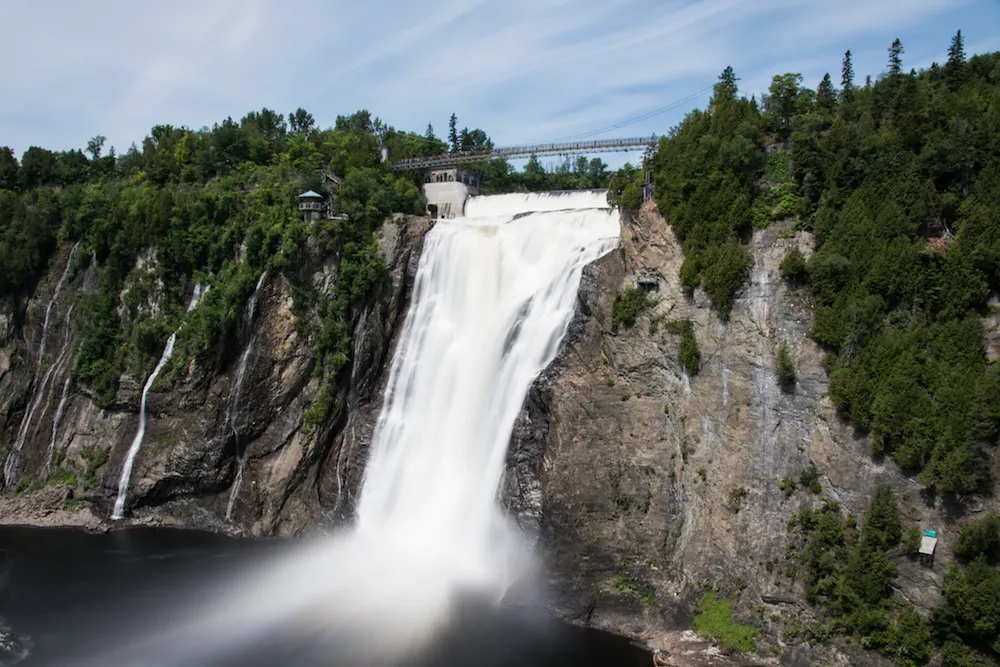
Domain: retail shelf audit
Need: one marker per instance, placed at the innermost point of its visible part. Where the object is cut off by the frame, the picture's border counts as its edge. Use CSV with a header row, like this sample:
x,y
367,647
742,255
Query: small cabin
x,y
313,206
928,543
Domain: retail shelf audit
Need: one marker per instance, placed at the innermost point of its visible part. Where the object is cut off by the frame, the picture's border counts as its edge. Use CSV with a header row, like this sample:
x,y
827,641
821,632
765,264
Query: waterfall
x,y
13,462
234,402
133,450
63,360
494,295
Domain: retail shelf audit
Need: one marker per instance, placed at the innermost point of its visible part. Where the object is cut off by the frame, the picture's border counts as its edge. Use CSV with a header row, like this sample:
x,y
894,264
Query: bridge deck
x,y
566,148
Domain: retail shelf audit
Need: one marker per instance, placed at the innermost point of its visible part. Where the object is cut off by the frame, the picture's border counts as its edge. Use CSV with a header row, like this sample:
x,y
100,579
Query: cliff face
x,y
650,485
296,476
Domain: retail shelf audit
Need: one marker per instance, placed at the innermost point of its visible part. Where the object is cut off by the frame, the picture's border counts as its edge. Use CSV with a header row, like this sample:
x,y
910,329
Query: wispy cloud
x,y
524,70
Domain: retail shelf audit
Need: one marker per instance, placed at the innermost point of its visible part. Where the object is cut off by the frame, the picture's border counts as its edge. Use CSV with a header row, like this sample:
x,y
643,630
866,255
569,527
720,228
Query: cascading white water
x,y
12,464
57,368
234,402
133,450
494,295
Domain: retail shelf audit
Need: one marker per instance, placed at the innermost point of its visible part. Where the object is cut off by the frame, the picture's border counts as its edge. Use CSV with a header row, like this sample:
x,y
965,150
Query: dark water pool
x,y
73,595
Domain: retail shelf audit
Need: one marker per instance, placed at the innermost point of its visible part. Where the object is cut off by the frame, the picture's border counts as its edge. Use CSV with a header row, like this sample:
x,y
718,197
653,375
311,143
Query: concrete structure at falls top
x,y
447,189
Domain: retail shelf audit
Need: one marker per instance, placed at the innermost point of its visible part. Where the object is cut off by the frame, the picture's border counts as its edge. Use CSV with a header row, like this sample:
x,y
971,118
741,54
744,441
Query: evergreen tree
x,y
895,57
826,96
726,88
847,77
429,133
955,67
453,133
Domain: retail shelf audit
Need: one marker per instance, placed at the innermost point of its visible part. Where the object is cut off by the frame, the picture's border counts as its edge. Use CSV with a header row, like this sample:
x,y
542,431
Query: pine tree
x,y
895,57
453,133
429,133
826,96
847,76
955,67
956,52
726,88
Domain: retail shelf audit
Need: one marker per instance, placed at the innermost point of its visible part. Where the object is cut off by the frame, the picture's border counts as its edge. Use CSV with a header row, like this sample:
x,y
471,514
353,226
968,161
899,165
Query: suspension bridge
x,y
513,152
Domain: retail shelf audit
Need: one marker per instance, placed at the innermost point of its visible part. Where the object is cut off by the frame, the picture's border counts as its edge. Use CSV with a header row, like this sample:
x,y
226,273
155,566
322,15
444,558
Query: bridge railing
x,y
564,148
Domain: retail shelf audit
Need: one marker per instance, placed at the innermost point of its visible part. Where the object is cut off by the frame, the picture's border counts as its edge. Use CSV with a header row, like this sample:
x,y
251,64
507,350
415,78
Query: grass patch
x,y
716,622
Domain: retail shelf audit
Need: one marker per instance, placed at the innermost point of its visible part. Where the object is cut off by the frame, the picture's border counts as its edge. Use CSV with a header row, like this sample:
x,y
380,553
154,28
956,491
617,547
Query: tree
x,y
726,88
847,73
95,145
895,57
302,121
826,96
38,167
955,67
453,133
8,169
784,91
956,52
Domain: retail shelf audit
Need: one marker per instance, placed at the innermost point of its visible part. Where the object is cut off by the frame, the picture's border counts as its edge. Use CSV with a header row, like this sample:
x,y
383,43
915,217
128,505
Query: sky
x,y
525,71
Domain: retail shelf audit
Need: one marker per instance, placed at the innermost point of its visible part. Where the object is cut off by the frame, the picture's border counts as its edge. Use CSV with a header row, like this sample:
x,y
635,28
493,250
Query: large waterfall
x,y
494,295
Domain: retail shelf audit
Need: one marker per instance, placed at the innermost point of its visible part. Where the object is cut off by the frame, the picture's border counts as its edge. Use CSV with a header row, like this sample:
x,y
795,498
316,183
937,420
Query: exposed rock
x,y
655,486
187,464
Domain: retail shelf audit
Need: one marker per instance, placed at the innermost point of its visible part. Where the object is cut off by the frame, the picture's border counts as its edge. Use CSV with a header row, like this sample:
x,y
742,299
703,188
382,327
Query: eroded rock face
x,y
187,465
651,484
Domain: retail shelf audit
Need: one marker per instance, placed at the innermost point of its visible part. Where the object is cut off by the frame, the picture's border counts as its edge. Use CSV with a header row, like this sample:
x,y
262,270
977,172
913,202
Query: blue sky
x,y
523,70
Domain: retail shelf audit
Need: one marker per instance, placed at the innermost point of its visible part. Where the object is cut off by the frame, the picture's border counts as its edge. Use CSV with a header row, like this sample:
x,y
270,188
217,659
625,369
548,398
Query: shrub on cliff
x,y
784,367
689,352
626,307
793,267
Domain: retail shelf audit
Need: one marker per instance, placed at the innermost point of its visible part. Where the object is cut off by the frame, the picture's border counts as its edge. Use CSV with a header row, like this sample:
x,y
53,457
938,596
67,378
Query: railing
x,y
311,205
566,148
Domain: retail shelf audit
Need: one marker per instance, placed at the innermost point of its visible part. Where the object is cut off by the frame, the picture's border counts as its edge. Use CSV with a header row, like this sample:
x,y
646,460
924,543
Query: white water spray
x,y
133,450
13,462
234,403
494,295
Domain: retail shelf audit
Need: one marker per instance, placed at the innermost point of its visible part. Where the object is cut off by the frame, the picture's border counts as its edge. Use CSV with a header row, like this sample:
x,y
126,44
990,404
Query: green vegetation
x,y
784,367
715,622
626,307
625,188
793,267
899,181
631,585
688,348
788,486
848,572
809,479
94,458
217,206
980,539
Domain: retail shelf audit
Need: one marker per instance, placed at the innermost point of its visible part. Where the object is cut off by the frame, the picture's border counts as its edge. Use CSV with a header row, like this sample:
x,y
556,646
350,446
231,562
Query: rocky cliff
x,y
297,476
651,485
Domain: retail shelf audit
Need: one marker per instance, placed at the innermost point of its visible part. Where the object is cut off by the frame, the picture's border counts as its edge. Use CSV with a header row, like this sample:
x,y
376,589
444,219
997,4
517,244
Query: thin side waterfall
x,y
493,298
57,419
58,368
234,403
133,450
13,462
